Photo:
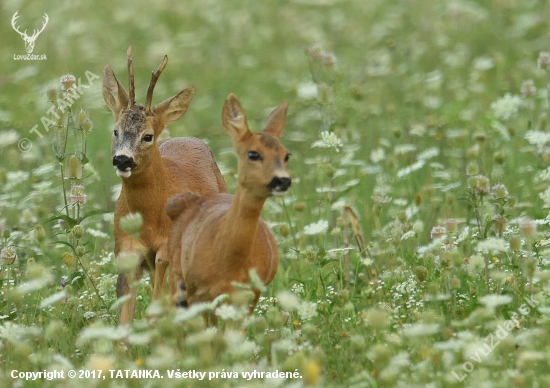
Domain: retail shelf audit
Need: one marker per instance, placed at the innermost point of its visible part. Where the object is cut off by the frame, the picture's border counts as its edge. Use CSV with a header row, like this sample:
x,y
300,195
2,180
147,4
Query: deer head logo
x,y
29,40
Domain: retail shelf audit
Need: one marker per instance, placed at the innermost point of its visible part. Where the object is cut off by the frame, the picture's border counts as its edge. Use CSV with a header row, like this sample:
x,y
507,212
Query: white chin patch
x,y
278,193
124,174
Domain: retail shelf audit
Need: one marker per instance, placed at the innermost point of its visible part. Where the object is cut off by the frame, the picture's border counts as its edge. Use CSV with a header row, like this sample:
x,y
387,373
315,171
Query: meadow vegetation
x,y
414,242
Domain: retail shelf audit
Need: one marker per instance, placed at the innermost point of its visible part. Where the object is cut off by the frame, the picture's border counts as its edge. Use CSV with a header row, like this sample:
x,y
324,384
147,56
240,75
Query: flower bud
x,y
544,60
284,230
39,233
500,191
515,243
528,228
472,182
80,250
69,259
451,225
87,125
472,169
299,206
52,94
78,232
80,118
421,273
74,168
455,283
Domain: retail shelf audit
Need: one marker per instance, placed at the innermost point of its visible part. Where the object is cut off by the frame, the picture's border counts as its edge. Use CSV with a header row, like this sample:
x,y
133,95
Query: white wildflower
x,y
545,196
307,90
476,264
8,137
537,138
288,300
506,107
297,288
307,310
57,297
413,167
100,331
328,140
493,245
367,261
421,329
377,155
493,300
316,228
483,63
89,315
408,235
230,312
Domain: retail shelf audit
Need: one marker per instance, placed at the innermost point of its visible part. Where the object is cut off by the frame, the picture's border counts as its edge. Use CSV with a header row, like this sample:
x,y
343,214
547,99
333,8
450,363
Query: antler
x,y
131,90
154,78
46,19
13,19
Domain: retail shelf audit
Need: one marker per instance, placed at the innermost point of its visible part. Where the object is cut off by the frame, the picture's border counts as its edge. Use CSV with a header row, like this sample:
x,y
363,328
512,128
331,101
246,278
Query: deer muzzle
x,y
123,165
279,185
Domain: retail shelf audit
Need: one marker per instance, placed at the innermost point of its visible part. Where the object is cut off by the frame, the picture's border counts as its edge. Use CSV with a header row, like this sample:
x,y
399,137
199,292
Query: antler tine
x,y
131,91
15,27
154,78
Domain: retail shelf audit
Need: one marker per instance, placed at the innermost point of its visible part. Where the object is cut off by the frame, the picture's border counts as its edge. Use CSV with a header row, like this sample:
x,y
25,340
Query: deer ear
x,y
174,108
114,94
276,120
234,119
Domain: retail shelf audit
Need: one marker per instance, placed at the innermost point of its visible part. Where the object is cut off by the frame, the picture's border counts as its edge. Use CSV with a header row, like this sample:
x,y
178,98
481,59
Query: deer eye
x,y
148,138
287,157
115,132
252,155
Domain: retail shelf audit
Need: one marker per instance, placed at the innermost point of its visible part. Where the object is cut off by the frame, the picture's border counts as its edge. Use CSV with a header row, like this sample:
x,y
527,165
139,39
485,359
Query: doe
x,y
218,238
152,172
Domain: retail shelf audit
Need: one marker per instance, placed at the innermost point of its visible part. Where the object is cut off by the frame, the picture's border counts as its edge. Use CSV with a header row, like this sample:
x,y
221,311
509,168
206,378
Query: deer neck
x,y
147,191
240,226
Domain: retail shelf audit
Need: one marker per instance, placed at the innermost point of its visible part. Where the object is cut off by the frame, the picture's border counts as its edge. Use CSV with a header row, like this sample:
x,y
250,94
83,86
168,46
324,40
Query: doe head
x,y
137,127
262,159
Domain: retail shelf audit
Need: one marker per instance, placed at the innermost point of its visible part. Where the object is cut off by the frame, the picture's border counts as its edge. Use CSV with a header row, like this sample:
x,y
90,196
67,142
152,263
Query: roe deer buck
x,y
152,174
218,238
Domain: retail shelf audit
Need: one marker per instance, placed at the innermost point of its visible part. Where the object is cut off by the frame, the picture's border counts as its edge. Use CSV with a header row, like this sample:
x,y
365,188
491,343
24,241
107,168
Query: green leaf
x,y
92,213
69,220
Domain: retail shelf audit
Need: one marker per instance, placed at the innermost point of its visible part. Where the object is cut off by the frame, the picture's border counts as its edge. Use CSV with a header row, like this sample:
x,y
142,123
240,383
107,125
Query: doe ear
x,y
276,120
172,109
234,119
114,94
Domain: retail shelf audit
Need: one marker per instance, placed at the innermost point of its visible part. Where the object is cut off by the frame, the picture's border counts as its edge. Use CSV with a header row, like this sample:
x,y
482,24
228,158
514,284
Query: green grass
x,y
367,292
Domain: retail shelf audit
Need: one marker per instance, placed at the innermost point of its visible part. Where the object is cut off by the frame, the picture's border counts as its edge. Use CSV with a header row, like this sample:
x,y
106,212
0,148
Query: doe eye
x,y
252,155
287,157
115,132
148,138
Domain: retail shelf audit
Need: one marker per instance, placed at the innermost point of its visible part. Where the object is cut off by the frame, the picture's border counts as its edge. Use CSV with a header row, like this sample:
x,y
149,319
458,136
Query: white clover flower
x,y
506,107
307,310
493,300
493,245
316,228
328,140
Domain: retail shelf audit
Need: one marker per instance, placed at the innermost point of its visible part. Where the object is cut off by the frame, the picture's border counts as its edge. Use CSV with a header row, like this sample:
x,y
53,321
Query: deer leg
x,y
124,286
161,264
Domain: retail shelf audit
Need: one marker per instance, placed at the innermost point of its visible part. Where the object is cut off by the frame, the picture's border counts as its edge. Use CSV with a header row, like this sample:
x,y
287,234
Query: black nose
x,y
279,184
122,162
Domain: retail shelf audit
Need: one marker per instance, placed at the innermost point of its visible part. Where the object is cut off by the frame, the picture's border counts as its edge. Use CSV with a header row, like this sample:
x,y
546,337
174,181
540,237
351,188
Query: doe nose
x,y
280,184
123,162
